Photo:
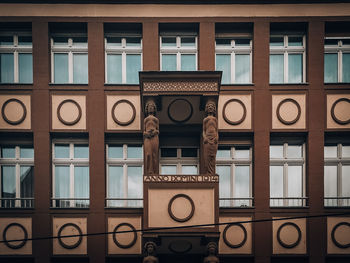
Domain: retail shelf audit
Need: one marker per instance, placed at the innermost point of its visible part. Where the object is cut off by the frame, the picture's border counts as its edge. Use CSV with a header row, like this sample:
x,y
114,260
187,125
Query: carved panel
x,y
338,235
15,112
338,111
179,86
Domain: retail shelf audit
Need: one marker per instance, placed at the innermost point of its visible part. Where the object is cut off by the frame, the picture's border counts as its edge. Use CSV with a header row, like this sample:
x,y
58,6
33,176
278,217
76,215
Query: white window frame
x,y
122,50
234,50
338,161
17,162
178,50
124,162
285,50
340,49
71,162
16,49
179,161
69,49
285,162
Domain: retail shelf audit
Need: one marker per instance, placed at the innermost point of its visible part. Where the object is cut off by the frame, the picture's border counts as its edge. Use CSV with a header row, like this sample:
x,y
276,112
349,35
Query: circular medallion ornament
x,y
132,242
289,226
180,110
339,227
15,228
14,111
181,201
69,112
180,246
340,111
240,228
123,112
288,111
72,228
234,111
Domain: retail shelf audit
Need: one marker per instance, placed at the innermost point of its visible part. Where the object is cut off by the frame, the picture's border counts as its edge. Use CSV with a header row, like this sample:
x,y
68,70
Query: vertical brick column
x,y
316,120
41,136
150,46
206,46
262,123
96,127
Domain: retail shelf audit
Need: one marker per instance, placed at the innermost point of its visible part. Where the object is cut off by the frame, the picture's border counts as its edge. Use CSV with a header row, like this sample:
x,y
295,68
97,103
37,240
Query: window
x,y
337,60
179,161
17,176
16,60
337,175
287,175
70,165
287,58
124,175
234,167
69,59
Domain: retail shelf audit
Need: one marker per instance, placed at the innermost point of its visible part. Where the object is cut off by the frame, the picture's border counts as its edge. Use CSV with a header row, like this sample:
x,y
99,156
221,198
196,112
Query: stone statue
x,y
210,138
151,139
212,251
150,252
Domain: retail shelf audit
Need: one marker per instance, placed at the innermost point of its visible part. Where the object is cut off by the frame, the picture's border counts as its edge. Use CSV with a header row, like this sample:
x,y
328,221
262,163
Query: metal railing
x,y
124,202
288,201
337,201
70,202
27,202
236,202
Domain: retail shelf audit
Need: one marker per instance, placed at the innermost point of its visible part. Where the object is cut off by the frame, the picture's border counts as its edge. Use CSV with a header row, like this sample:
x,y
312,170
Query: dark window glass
x,y
189,152
168,152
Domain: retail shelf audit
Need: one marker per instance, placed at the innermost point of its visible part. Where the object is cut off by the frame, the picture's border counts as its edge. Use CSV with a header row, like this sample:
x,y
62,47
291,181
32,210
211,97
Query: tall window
x,y
124,175
179,161
69,59
234,167
17,176
287,58
70,165
16,60
337,60
337,175
233,58
287,175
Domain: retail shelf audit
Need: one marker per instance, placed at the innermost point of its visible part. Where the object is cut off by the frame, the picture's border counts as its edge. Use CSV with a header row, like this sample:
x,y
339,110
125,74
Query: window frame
x,y
178,161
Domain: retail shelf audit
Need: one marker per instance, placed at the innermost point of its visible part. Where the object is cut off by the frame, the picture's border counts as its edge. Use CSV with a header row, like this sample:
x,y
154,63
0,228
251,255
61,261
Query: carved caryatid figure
x,y
150,253
151,139
210,138
212,251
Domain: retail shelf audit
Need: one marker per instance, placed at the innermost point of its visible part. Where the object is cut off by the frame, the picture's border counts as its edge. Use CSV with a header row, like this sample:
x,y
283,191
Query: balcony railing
x,y
27,202
337,201
70,202
124,202
241,202
288,201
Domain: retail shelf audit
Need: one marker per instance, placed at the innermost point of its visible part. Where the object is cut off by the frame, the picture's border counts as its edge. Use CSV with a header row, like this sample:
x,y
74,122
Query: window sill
x,y
121,84
68,84
289,84
238,84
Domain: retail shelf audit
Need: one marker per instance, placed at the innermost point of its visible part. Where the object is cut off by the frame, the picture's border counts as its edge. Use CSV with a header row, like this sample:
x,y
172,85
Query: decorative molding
x,y
228,243
185,219
20,120
187,248
333,235
76,243
333,114
123,123
280,241
181,178
115,240
187,117
23,242
225,116
279,115
69,123
180,86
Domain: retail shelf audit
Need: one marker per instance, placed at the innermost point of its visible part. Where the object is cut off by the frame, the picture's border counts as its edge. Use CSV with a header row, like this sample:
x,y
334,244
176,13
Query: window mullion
x,y
285,184
16,67
178,61
71,181
123,67
340,66
125,181
233,67
70,67
285,76
233,181
18,185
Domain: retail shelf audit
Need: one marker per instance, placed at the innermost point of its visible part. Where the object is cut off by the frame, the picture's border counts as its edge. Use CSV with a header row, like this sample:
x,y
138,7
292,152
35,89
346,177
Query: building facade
x,y
169,120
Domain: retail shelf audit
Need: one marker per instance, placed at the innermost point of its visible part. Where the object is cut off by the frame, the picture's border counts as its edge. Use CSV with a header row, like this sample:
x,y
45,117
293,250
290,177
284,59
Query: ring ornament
x,y
123,123
338,244
69,123
187,117
281,242
243,115
23,242
76,244
333,113
279,108
228,243
20,120
185,219
133,241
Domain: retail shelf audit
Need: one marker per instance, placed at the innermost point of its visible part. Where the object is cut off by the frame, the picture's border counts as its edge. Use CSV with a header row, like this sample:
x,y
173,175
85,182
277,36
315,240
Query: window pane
x,y
330,68
168,62
62,182
330,182
223,63
189,169
188,62
224,172
81,151
6,67
189,152
8,181
115,182
242,185
115,151
276,151
8,152
223,42
276,69
60,40
114,41
26,152
345,42
294,151
242,42
276,41
168,41
61,150
133,41
80,68
168,169
79,41
168,152
133,66
295,181
114,68
6,40
346,67
188,41
24,40
295,41
241,153
276,181
81,182
332,42
61,68
135,185
134,151
25,70
345,181
242,73
330,151
295,68
27,181
345,151
223,152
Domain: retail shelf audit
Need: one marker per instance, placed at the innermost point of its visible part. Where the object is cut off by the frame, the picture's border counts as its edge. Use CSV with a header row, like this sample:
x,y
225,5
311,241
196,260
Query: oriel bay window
x,y
179,161
16,176
124,175
70,169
